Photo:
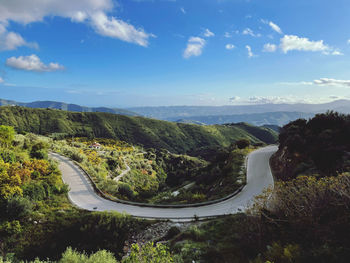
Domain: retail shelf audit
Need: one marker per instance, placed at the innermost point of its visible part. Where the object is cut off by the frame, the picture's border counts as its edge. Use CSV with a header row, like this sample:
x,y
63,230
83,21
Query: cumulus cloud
x,y
230,46
332,82
93,13
269,47
250,32
111,27
32,63
292,42
250,52
194,47
208,33
12,40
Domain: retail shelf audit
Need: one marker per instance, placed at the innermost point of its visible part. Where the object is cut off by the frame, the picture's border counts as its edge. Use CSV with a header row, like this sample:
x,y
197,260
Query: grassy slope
x,y
175,137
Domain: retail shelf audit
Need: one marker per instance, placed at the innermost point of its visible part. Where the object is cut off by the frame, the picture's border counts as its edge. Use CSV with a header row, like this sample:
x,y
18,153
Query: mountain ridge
x,y
65,106
150,133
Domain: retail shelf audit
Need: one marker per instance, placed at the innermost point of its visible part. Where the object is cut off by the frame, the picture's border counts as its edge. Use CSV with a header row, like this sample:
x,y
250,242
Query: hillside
x,y
65,106
319,146
150,133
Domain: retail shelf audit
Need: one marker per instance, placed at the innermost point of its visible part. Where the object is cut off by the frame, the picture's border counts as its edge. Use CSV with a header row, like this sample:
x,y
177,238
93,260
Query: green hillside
x,y
175,137
65,106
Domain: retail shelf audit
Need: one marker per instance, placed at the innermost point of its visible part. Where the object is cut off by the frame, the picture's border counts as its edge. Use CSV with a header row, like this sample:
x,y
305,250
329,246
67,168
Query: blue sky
x,y
174,52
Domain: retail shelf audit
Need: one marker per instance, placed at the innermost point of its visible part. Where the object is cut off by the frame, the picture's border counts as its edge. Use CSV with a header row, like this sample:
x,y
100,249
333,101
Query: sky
x,y
130,53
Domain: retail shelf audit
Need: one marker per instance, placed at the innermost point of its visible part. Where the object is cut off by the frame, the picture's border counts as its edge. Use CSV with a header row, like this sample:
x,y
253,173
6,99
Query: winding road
x,y
83,196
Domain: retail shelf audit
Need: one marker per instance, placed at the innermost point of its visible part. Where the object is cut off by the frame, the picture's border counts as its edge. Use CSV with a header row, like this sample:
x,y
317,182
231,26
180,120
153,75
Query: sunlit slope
x,y
175,137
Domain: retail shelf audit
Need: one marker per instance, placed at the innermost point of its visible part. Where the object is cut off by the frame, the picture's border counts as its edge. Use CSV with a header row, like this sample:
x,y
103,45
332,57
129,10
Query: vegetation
x,y
305,219
144,254
36,218
156,176
309,223
319,146
65,106
150,133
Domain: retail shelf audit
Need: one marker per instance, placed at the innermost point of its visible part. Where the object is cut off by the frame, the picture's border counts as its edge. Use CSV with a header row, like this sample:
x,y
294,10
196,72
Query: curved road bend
x,y
82,193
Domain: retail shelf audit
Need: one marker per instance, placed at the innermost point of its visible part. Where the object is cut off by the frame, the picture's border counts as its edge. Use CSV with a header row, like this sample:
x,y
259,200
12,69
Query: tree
x,y
7,134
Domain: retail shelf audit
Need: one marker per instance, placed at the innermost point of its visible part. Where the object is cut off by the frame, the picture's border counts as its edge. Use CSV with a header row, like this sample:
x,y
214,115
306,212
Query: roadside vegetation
x,y
36,218
157,176
307,218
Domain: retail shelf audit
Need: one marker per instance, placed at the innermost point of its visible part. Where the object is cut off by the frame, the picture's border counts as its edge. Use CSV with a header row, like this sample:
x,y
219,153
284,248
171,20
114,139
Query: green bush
x,y
72,256
243,143
126,190
149,253
18,207
39,154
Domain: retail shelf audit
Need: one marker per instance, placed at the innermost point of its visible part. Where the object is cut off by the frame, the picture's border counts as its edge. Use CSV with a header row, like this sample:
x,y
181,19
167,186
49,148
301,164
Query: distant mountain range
x,y
263,114
65,106
257,119
180,112
273,114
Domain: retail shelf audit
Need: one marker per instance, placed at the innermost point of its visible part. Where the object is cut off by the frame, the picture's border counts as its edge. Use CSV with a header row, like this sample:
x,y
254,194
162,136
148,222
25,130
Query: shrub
x,y
126,190
149,254
172,232
39,154
243,143
18,207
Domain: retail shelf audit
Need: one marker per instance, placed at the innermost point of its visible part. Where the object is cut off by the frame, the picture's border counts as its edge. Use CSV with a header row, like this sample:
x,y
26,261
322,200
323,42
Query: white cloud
x,y
332,82
32,63
291,42
319,82
116,28
234,98
208,33
91,12
1,80
194,47
230,46
12,40
337,53
183,10
275,27
250,52
304,83
289,99
270,47
250,32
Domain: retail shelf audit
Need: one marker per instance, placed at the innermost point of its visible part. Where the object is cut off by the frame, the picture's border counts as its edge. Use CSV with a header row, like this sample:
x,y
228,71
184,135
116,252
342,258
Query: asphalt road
x,y
82,193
